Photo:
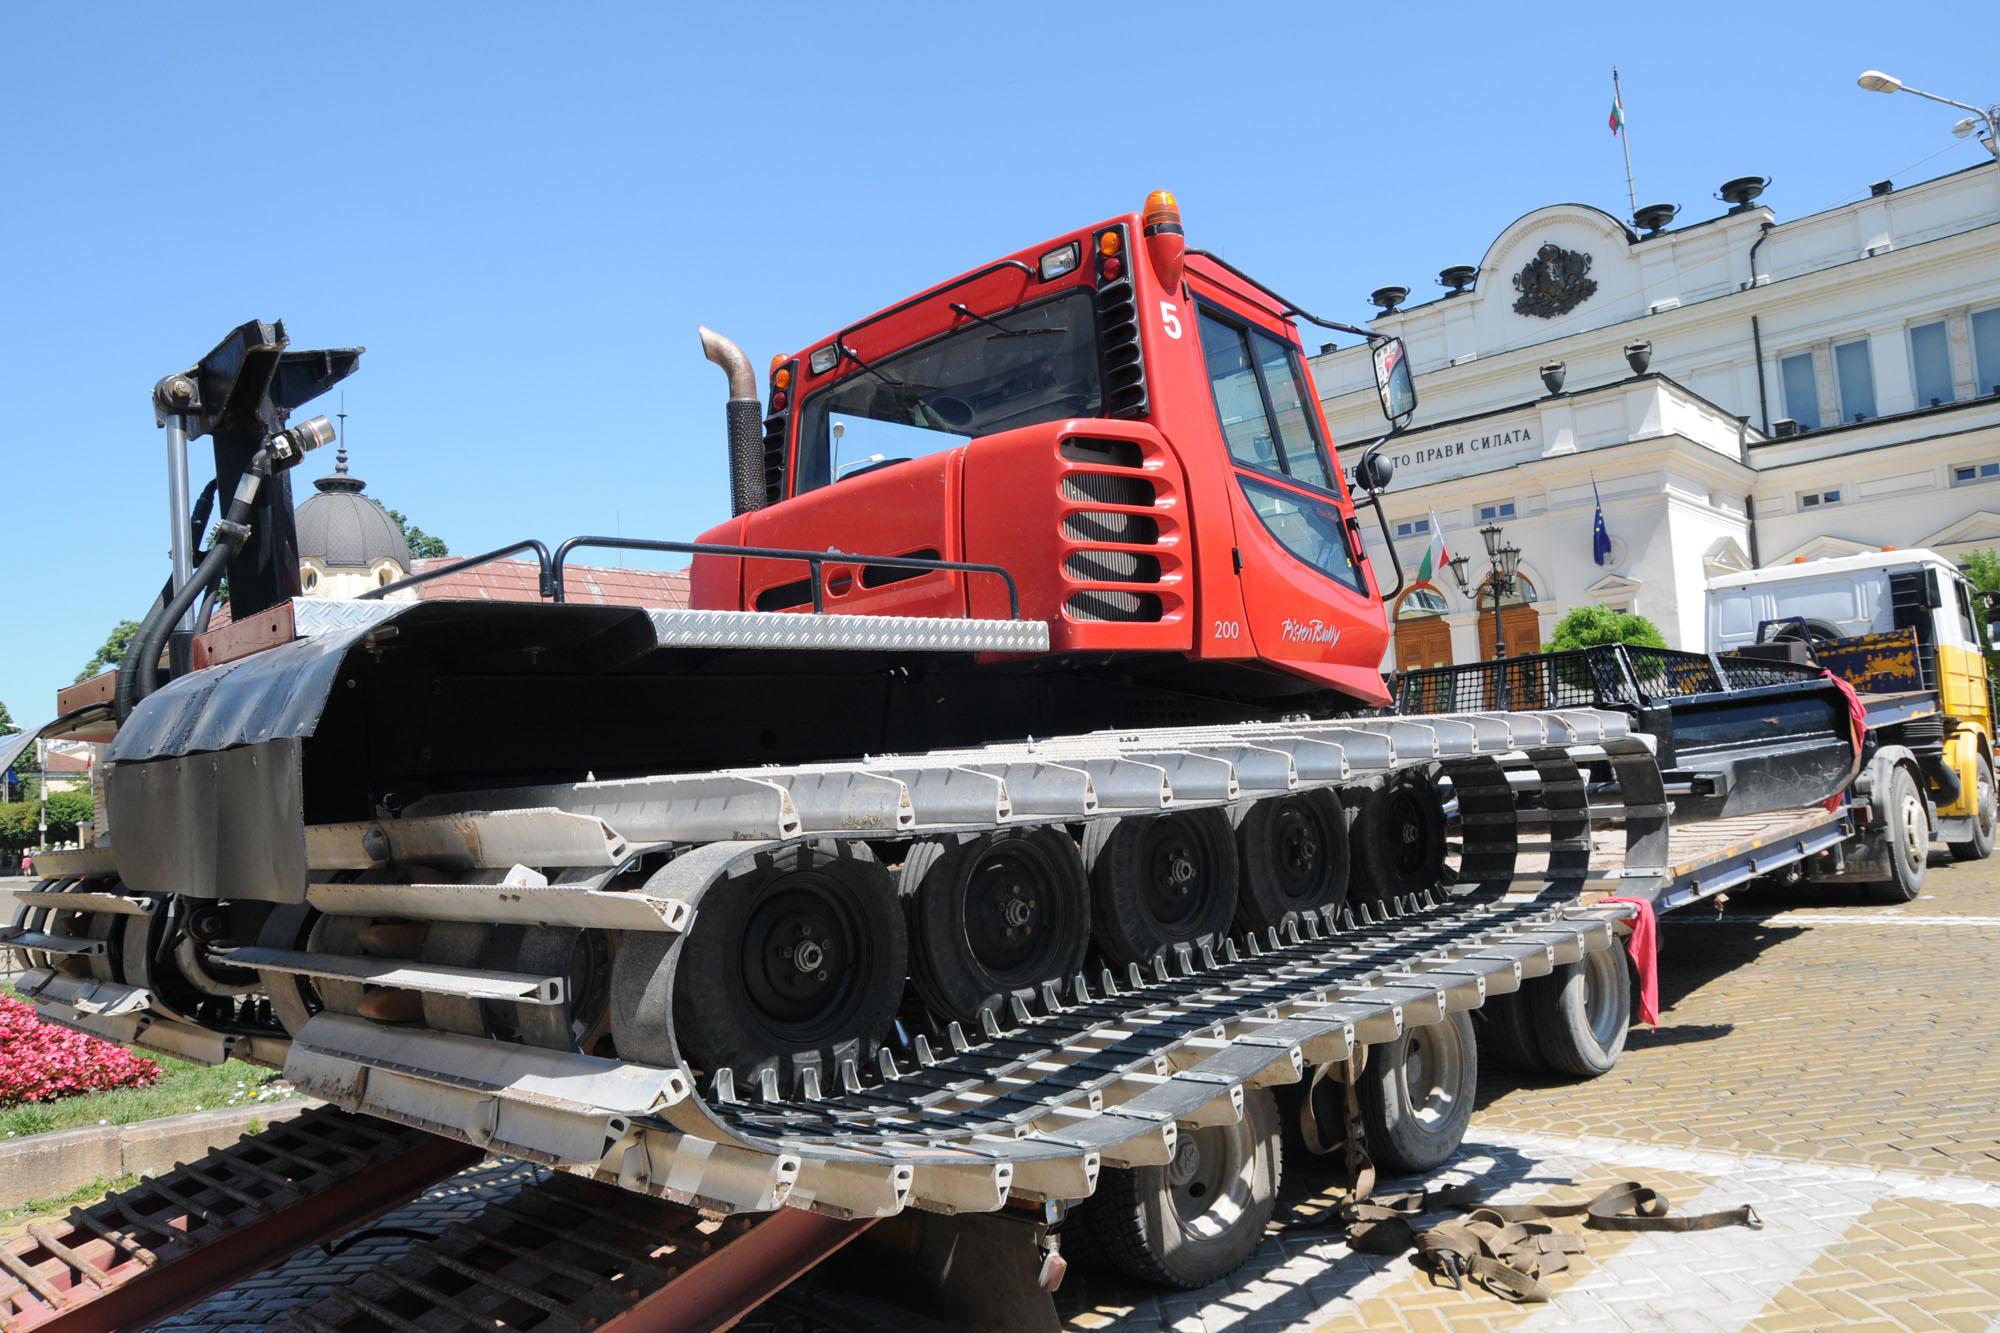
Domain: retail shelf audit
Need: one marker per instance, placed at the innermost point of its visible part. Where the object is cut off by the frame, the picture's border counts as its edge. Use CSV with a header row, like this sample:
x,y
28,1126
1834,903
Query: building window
x,y
1416,527
1986,350
1801,390
1819,499
1421,602
1493,513
1965,474
385,577
1856,374
1930,358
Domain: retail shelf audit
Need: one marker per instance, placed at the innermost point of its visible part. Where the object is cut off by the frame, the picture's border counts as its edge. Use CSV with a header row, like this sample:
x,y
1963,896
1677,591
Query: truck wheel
x,y
1580,1013
1906,830
1398,838
1196,1219
1159,881
1980,846
1507,1034
1417,1093
1294,855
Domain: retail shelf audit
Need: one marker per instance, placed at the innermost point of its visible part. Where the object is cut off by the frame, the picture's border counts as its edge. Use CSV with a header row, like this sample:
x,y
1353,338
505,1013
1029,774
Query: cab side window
x,y
1261,400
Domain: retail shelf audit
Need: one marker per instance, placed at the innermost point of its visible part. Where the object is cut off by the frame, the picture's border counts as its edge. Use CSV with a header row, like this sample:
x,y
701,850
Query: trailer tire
x,y
1581,1012
1906,830
1417,1093
1986,812
1507,1035
1196,1219
1160,880
1398,838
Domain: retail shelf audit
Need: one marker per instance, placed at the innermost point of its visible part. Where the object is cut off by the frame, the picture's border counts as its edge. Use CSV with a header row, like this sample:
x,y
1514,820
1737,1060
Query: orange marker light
x,y
1110,243
777,361
1165,244
782,377
1163,212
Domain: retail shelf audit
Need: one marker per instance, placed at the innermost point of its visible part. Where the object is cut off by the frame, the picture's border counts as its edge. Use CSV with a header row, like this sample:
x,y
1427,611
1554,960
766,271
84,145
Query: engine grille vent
x,y
1104,605
1118,353
774,456
1112,567
1107,489
1093,525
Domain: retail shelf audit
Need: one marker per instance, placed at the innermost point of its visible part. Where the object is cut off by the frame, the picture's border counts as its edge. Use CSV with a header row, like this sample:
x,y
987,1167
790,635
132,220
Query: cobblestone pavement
x,y
1828,1061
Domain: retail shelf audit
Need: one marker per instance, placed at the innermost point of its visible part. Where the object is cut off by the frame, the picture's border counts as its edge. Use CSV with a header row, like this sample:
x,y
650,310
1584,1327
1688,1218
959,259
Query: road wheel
x,y
799,962
1398,838
1581,1012
991,914
1906,833
1293,855
1980,846
583,959
1160,880
1417,1093
1507,1034
1196,1219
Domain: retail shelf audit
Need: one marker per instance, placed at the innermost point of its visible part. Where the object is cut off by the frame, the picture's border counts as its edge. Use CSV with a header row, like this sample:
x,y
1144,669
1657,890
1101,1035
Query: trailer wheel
x,y
1417,1093
1581,1012
993,913
1980,846
1907,833
1293,855
801,962
1196,1219
1507,1034
1158,881
1399,837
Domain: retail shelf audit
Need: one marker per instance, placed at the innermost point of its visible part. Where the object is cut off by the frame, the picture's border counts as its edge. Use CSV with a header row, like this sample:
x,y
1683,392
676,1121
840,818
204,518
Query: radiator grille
x,y
1112,567
1103,605
1093,525
1107,489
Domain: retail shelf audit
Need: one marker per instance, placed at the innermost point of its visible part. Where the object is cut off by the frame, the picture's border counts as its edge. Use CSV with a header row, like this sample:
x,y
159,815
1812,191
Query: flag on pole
x,y
1436,556
1600,537
1617,111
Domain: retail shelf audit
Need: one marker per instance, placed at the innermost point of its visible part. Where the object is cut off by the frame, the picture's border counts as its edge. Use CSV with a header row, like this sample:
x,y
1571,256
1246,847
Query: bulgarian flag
x,y
1617,111
1436,556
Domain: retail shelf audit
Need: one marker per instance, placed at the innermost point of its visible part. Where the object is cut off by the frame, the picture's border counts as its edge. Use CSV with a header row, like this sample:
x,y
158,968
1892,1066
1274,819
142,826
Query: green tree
x,y
1983,568
423,546
1588,626
7,725
20,822
113,651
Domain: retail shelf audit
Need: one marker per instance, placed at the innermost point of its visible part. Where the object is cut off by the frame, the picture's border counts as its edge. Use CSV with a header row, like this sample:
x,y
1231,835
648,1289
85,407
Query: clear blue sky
x,y
524,212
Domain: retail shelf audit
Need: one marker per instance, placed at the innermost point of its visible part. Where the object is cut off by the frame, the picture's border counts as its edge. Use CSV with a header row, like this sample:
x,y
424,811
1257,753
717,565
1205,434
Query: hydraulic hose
x,y
231,533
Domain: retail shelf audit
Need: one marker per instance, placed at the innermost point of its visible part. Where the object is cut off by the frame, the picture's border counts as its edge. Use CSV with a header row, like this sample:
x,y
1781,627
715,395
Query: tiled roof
x,y
59,761
516,581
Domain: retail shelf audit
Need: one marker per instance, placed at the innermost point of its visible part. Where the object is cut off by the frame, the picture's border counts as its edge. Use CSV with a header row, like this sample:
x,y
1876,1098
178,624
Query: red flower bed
x,y
40,1062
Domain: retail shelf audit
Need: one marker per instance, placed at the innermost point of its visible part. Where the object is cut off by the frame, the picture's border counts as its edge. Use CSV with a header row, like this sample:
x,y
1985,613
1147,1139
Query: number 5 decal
x,y
1170,319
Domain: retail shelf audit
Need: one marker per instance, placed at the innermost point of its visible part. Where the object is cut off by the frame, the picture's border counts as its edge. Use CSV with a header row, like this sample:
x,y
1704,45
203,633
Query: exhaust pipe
x,y
746,423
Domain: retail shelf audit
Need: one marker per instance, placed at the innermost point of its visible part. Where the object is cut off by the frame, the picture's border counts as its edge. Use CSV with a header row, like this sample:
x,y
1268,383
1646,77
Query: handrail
x,y
814,560
547,581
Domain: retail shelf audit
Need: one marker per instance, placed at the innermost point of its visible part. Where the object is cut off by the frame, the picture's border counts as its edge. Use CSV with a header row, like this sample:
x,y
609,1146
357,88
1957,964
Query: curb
x,y
45,1166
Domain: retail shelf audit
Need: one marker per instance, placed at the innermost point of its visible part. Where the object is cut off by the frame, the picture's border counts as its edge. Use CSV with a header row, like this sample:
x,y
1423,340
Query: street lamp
x,y
1875,81
1505,562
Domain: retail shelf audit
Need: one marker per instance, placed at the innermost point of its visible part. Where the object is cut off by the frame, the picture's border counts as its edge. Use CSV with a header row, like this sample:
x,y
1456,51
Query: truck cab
x,y
1125,425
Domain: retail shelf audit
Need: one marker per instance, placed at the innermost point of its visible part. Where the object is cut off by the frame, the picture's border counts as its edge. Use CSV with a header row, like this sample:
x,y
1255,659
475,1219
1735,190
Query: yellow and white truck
x,y
1908,632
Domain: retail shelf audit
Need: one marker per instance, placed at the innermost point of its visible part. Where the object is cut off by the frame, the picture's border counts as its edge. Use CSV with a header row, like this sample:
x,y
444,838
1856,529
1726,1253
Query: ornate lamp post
x,y
1505,561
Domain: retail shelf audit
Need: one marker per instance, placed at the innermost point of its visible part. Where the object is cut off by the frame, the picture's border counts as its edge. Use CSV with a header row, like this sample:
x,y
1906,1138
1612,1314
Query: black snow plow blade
x,y
1733,736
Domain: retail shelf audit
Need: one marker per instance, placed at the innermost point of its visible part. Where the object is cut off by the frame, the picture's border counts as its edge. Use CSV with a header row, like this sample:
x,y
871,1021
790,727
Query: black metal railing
x,y
815,561
546,582
1609,676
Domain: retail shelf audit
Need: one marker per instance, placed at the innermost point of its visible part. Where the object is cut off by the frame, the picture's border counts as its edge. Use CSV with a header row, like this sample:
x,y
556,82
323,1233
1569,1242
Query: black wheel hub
x,y
1301,838
1179,874
1410,847
1011,914
800,956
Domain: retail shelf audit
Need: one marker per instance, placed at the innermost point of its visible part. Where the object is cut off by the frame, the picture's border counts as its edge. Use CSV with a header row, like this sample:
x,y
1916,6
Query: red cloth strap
x,y
1644,946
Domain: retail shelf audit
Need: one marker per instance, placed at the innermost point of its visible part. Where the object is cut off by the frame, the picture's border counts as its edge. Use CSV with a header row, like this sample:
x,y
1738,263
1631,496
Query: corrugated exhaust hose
x,y
746,423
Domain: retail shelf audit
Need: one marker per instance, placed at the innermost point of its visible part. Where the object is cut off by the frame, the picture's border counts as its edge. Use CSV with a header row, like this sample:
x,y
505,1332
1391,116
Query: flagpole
x,y
1624,140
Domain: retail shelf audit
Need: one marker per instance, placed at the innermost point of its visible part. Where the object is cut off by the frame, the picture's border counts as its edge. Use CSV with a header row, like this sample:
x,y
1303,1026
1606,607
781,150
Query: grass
x,y
83,1195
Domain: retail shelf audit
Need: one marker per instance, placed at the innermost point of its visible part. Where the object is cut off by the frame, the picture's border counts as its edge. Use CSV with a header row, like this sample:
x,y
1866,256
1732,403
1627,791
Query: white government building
x,y
1816,387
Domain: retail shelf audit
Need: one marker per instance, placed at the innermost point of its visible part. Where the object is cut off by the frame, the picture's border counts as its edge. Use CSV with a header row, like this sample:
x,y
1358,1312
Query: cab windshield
x,y
1022,367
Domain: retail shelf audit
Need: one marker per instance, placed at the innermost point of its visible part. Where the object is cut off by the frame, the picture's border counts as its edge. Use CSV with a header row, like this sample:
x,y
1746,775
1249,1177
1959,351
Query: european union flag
x,y
1600,539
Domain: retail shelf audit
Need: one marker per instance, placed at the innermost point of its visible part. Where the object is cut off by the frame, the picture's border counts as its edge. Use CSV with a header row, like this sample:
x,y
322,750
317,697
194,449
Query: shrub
x,y
20,821
1588,626
46,1062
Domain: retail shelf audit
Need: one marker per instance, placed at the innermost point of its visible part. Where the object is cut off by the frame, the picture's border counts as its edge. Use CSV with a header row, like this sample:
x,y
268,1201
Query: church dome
x,y
341,527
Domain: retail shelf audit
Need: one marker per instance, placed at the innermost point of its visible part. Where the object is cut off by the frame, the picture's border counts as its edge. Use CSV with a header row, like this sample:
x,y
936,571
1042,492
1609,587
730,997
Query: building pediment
x,y
1725,556
1819,548
1613,587
1975,529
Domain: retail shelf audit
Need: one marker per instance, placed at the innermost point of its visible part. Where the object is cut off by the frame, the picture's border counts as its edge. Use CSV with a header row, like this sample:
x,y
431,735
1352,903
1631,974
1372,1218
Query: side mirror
x,y
1392,380
1372,473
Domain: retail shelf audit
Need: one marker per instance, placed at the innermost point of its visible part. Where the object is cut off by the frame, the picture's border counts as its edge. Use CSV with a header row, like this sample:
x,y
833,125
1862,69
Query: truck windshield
x,y
1033,364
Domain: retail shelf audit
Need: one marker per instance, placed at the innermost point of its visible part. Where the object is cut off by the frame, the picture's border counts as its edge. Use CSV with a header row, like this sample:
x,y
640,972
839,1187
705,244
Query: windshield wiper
x,y
1005,332
855,357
